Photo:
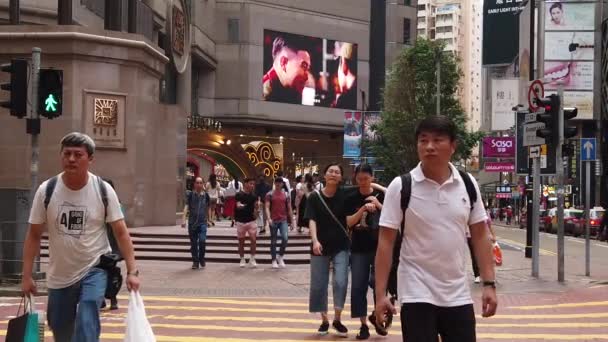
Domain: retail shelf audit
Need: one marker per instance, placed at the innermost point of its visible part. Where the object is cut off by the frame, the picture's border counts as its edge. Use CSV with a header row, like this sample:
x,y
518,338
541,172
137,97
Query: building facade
x,y
172,89
458,24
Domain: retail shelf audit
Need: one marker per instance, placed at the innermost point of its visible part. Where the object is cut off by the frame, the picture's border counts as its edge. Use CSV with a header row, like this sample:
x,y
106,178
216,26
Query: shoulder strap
x,y
50,188
104,196
331,213
468,183
406,194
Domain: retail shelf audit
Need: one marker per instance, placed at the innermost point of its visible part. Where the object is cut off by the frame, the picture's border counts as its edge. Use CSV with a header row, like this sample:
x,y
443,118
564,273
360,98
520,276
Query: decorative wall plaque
x,y
179,31
105,118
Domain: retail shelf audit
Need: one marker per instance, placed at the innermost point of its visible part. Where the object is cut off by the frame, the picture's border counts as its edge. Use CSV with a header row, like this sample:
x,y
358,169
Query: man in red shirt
x,y
278,209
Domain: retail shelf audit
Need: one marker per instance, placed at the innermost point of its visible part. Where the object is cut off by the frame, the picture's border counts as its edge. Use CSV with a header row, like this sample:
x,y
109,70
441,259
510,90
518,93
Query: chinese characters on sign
x,y
504,98
179,31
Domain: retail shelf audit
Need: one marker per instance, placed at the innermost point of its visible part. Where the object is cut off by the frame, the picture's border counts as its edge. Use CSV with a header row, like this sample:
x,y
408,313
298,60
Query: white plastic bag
x,y
138,327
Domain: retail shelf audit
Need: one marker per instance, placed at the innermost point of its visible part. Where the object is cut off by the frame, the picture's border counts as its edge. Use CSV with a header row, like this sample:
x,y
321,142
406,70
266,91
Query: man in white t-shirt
x,y
431,278
75,217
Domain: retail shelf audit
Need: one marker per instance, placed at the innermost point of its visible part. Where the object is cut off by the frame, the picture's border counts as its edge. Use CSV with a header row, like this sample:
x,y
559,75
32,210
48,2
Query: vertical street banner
x,y
370,120
353,133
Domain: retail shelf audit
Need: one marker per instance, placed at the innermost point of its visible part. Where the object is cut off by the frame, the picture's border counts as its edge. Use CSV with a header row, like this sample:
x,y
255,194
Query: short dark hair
x,y
287,41
279,179
556,5
77,139
248,179
299,178
438,124
365,168
280,173
334,164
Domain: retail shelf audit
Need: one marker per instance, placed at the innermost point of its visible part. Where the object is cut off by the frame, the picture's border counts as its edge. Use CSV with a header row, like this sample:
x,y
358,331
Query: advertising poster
x,y
569,46
570,16
353,132
499,147
504,98
583,100
500,31
310,71
370,120
573,75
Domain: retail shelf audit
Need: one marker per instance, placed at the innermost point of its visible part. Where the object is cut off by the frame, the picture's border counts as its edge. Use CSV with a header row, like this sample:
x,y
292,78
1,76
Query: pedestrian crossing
x,y
283,319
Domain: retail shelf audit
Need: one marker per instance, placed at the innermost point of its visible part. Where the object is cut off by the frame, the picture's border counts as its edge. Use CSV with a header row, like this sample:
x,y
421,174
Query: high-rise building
x,y
458,24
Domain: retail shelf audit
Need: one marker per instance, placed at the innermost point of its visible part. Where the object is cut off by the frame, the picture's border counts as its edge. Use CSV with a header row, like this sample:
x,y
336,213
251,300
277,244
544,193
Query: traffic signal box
x,y
17,100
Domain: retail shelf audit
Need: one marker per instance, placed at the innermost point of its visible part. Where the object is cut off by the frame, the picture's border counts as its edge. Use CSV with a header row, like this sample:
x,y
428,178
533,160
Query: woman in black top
x,y
326,213
364,207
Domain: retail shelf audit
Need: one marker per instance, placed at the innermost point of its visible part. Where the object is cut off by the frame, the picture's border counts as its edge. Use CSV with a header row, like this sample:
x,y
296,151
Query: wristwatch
x,y
489,283
134,273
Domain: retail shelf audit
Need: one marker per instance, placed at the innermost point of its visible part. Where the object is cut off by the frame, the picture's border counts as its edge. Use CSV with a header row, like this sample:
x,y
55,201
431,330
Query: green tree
x,y
409,96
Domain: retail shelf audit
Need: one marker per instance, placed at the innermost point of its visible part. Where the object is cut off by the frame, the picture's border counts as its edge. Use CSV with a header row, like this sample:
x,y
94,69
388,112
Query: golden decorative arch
x,y
262,155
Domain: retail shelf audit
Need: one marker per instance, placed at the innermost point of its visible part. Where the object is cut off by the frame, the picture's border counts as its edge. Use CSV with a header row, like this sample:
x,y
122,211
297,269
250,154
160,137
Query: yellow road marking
x,y
563,305
543,325
224,328
552,316
219,301
549,337
498,336
513,242
231,309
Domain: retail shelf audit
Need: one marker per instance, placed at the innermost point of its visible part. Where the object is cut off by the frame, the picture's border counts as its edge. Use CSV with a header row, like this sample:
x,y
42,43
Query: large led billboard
x,y
310,71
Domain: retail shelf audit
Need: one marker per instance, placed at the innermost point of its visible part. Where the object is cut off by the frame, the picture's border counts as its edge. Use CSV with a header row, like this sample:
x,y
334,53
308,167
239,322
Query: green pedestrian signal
x,y
50,93
50,104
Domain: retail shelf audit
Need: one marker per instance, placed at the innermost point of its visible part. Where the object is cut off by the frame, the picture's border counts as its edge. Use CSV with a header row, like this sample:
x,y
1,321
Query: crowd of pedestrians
x,y
407,243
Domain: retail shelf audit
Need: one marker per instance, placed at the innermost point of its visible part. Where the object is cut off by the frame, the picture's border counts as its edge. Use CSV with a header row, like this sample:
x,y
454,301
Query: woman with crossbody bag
x,y
326,212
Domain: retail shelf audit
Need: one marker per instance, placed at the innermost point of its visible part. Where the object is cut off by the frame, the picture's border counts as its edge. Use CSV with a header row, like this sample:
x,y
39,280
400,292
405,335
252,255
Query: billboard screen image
x,y
310,71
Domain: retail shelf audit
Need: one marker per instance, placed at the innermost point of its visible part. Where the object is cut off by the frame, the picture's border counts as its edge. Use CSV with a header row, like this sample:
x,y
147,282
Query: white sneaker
x,y
281,261
252,263
477,280
274,264
243,263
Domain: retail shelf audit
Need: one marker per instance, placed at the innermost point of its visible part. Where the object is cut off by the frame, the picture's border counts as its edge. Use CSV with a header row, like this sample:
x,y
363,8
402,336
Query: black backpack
x,y
406,194
108,261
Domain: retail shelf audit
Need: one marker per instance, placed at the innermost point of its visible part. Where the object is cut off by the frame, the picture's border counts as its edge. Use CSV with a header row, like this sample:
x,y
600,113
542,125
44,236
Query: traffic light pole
x,y
535,217
33,122
559,172
33,128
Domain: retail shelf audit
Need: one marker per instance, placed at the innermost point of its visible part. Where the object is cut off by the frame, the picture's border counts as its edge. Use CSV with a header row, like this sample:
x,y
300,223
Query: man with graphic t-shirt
x,y
278,209
246,205
432,284
75,216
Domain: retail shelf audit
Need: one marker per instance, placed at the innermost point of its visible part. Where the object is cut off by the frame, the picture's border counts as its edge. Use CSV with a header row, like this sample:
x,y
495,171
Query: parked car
x,y
574,221
544,221
596,216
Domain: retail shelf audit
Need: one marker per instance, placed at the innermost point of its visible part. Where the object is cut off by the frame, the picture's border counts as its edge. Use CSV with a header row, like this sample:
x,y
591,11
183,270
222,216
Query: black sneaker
x,y
363,332
341,330
203,264
195,265
379,329
324,328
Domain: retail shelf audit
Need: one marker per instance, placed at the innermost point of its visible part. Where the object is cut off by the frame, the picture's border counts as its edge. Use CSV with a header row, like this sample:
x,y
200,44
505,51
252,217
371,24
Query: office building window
x,y
407,33
233,30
